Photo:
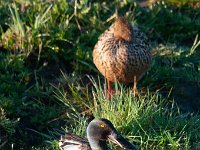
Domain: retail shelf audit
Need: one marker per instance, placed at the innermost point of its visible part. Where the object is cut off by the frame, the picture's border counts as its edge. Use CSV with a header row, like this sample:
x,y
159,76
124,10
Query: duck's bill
x,y
120,141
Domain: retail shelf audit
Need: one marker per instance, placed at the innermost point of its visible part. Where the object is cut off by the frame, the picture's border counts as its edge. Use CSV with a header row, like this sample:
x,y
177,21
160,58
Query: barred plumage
x,y
122,52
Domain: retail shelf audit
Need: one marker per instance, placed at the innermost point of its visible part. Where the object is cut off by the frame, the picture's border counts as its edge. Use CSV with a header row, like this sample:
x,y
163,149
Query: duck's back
x,y
73,142
121,60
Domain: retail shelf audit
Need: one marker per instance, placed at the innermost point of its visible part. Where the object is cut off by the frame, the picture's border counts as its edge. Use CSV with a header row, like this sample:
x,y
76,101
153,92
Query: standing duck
x,y
122,53
98,131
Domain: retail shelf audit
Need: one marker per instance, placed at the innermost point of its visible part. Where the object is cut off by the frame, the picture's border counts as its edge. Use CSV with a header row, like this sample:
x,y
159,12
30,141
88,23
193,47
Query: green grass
x,y
46,58
151,121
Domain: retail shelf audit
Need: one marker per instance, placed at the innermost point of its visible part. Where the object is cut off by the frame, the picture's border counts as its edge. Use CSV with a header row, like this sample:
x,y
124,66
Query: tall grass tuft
x,y
150,120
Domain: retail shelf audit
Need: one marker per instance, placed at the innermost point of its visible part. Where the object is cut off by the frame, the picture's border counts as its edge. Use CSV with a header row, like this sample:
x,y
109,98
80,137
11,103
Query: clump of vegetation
x,y
7,127
46,52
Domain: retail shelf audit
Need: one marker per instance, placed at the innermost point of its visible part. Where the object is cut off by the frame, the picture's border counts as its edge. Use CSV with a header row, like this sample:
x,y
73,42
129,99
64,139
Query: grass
x,y
151,121
147,122
46,58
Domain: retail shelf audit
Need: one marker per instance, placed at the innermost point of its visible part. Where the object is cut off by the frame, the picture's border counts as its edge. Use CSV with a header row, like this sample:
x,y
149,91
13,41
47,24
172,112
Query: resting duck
x,y
98,131
122,53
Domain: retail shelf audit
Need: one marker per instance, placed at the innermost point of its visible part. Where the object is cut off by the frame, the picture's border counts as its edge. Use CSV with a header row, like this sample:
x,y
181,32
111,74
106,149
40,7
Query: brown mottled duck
x,y
122,53
98,132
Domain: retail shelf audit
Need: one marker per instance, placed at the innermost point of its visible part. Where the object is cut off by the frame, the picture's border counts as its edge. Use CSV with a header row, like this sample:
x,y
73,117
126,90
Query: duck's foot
x,y
109,93
135,93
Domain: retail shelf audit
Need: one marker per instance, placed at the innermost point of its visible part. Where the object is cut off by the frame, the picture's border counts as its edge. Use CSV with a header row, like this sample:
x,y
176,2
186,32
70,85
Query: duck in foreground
x,y
122,53
98,132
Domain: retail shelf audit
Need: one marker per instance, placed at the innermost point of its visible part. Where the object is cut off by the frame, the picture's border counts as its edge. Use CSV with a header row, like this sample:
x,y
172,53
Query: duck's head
x,y
123,29
100,130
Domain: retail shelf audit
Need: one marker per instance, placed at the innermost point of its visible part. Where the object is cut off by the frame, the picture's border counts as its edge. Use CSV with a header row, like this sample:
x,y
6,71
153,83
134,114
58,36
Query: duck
x,y
99,130
122,54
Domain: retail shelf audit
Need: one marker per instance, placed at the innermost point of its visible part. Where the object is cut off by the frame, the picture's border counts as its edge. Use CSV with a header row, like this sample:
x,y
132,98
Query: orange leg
x,y
110,91
134,89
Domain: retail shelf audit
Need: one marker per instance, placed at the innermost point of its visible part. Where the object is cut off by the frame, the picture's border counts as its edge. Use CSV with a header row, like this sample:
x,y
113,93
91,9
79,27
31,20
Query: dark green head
x,y
100,130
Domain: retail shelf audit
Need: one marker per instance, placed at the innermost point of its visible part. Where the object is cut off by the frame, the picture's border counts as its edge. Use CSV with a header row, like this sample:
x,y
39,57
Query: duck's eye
x,y
102,125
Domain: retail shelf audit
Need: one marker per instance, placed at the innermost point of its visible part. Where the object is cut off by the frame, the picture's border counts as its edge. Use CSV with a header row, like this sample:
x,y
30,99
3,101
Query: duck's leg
x,y
134,89
110,91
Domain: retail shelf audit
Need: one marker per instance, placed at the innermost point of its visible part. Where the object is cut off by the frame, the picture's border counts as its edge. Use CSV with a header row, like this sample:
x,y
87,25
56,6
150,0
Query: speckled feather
x,y
121,59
